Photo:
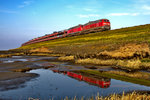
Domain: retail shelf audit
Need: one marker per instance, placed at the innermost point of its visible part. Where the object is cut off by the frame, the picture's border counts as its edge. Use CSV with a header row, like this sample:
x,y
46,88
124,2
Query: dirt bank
x,y
13,80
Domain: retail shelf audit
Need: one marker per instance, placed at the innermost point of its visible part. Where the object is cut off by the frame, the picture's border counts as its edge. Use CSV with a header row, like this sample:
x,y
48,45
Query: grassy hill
x,y
96,42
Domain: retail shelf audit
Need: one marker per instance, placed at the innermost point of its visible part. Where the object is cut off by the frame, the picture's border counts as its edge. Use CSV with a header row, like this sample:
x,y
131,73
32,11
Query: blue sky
x,y
22,20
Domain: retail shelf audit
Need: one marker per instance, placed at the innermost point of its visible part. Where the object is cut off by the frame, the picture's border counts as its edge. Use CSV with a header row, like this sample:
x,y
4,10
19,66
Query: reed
x,y
145,65
97,61
5,56
66,58
133,64
129,96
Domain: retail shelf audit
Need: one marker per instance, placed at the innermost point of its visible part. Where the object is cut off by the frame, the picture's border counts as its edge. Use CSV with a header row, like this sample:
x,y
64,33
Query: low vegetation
x,y
131,64
66,58
140,75
5,56
110,62
129,96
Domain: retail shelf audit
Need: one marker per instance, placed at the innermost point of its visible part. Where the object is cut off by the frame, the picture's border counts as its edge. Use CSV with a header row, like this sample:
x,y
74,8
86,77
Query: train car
x,y
90,27
74,75
75,29
98,25
101,82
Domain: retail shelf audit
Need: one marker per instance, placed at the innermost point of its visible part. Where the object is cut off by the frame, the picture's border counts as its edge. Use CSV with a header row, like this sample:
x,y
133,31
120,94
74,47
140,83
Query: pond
x,y
54,84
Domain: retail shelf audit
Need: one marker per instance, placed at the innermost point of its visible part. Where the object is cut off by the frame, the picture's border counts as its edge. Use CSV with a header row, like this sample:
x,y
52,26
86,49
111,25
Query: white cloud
x,y
134,14
8,11
118,14
88,15
146,7
25,3
123,14
89,10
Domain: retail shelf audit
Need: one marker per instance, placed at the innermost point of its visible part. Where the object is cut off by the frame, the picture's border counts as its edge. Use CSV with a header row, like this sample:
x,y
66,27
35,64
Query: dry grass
x,y
140,75
5,56
129,96
131,64
129,50
42,49
39,54
145,65
97,61
134,64
66,58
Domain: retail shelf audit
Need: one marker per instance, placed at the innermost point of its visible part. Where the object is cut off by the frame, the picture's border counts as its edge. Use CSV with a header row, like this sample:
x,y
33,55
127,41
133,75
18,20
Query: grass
x,y
66,58
5,56
145,65
111,62
129,96
118,77
131,64
108,40
139,75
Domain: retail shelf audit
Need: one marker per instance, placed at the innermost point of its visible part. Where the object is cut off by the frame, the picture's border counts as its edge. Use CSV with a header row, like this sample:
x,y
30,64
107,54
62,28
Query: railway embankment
x,y
123,48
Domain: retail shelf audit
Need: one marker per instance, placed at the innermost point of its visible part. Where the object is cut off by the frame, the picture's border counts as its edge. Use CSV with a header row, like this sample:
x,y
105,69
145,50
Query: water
x,y
59,85
24,59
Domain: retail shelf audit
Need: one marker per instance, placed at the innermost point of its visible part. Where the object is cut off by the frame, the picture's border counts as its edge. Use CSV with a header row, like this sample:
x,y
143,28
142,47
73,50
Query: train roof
x,y
75,27
96,21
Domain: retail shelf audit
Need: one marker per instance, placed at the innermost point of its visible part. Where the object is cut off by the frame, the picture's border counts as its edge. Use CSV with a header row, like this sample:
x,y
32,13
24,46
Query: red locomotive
x,y
90,27
100,82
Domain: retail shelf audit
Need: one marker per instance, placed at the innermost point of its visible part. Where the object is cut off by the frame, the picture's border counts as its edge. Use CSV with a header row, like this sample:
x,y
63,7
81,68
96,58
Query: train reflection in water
x,y
102,82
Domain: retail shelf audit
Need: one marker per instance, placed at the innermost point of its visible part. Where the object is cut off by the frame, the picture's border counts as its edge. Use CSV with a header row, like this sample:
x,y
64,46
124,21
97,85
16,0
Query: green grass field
x,y
137,34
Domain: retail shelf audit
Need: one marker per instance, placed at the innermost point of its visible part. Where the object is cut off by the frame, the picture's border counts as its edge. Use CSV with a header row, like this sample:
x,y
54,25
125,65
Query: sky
x,y
22,20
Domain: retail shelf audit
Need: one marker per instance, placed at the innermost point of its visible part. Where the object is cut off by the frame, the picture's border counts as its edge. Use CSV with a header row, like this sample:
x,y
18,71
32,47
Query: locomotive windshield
x,y
105,20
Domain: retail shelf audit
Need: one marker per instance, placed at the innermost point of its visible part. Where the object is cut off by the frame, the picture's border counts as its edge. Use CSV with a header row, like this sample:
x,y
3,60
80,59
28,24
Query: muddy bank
x,y
13,80
14,75
13,71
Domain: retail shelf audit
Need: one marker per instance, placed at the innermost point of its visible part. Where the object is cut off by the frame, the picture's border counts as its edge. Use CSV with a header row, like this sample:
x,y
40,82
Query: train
x,y
100,82
90,27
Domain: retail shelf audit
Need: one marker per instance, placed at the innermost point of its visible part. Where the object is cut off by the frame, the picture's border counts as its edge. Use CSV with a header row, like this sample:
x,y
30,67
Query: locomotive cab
x,y
106,24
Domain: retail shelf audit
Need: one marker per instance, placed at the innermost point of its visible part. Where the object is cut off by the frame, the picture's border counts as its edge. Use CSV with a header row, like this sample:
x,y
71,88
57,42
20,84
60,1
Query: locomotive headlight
x,y
105,24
